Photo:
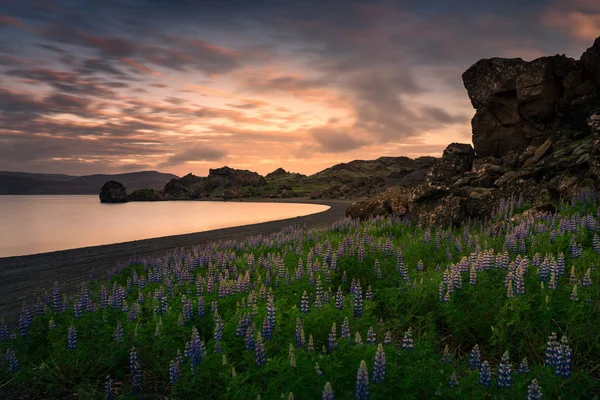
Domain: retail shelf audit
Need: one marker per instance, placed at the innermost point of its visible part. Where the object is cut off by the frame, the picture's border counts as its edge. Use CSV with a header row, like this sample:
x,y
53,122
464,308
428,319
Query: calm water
x,y
36,224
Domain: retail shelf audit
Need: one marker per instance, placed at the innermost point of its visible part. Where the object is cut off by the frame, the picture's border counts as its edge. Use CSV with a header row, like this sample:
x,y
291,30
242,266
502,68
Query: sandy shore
x,y
26,277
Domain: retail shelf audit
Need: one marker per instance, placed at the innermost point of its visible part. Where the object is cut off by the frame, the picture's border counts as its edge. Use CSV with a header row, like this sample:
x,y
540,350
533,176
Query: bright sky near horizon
x,y
183,86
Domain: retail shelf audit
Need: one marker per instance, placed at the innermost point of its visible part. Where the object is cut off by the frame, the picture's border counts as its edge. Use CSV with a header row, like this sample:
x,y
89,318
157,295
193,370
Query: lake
x,y
37,224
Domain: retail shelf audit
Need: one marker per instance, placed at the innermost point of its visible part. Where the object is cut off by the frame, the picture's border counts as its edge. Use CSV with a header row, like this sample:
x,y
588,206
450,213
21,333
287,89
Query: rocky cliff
x,y
535,136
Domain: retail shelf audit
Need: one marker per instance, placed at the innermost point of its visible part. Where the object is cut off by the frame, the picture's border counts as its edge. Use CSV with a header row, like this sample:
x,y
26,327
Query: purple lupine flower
x,y
379,366
194,350
103,297
201,308
587,280
11,359
362,382
40,308
56,298
485,374
388,338
358,304
108,390
420,266
371,336
219,325
300,341
369,294
259,351
534,391
328,392
346,328
453,380
505,372
136,372
378,270
551,349
304,303
174,371
332,341
407,341
339,299
249,342
271,313
564,358
524,366
118,333
24,320
72,338
475,357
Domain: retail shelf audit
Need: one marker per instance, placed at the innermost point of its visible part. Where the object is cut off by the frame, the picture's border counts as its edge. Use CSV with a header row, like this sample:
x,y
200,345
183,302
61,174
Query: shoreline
x,y
26,277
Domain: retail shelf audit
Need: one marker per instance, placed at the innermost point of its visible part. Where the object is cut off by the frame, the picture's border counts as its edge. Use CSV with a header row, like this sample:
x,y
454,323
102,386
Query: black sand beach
x,y
26,277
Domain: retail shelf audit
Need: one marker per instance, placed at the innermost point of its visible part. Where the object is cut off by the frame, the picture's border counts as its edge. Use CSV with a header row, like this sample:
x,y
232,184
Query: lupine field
x,y
507,309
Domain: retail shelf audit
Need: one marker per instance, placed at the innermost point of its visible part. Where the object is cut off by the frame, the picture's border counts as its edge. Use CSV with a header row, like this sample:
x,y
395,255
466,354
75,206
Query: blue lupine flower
x,y
534,391
328,392
219,325
371,336
201,307
56,298
304,303
564,358
369,294
194,350
11,359
174,372
358,304
118,333
72,338
24,320
485,374
551,349
453,380
362,382
108,390
300,341
271,310
378,270
505,372
379,366
339,299
475,357
524,366
332,342
346,329
388,338
407,341
136,372
259,351
249,342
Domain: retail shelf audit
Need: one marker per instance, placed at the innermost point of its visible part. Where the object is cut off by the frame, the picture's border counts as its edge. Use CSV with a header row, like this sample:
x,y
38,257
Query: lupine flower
x,y
11,359
339,299
446,357
304,303
328,392
24,320
108,390
318,369
534,391
346,328
136,372
453,380
379,366
362,382
174,372
259,351
551,349
311,344
564,358
292,355
51,324
371,336
249,342
118,333
332,342
475,357
388,338
378,270
524,366
194,350
56,298
358,339
574,294
485,374
407,341
72,338
505,372
358,304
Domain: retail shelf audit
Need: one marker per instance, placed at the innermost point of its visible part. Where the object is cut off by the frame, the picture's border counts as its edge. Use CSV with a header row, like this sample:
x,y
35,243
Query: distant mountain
x,y
31,183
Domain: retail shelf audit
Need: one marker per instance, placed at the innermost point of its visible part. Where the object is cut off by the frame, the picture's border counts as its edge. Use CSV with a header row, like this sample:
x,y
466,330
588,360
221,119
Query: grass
x,y
478,313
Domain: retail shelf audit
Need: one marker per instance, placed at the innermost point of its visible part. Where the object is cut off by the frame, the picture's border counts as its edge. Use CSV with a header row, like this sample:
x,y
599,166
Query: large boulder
x,y
113,192
594,157
520,104
456,159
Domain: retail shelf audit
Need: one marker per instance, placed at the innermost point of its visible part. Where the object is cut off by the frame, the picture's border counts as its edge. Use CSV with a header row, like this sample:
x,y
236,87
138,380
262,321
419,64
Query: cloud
x,y
335,140
194,153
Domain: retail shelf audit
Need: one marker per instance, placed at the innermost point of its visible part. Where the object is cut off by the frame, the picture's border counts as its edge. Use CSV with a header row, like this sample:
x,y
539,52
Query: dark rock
x,y
456,159
113,192
510,159
594,161
543,150
187,187
146,195
591,62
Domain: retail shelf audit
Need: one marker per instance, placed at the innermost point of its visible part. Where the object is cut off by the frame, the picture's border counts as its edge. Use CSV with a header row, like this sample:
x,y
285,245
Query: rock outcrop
x,y
521,104
536,136
113,192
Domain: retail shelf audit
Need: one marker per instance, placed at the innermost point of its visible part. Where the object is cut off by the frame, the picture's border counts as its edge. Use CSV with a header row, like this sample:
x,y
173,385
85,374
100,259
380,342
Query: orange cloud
x,y
580,19
139,67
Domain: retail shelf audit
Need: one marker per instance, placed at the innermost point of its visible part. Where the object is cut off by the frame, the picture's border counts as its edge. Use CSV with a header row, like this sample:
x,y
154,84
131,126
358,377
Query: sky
x,y
182,86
